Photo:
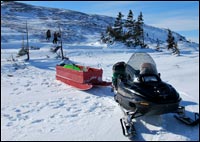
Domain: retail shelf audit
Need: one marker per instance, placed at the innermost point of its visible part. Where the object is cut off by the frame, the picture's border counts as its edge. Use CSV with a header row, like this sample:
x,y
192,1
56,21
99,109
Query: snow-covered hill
x,y
35,106
76,26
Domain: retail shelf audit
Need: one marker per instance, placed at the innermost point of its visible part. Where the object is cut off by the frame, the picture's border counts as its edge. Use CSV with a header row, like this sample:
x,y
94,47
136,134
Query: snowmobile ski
x,y
187,120
127,124
128,128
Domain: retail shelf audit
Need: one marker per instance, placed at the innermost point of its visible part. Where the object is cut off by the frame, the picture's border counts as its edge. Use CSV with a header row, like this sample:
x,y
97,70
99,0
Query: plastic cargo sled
x,y
81,77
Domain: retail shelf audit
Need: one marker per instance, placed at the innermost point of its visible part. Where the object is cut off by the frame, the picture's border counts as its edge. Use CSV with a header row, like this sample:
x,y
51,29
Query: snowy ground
x,y
35,106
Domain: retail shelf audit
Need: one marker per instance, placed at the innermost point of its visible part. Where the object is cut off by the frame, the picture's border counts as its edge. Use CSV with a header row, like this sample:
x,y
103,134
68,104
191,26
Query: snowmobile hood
x,y
158,92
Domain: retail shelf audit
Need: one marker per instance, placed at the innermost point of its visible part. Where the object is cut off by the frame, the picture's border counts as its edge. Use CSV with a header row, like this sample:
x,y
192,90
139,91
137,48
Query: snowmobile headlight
x,y
144,103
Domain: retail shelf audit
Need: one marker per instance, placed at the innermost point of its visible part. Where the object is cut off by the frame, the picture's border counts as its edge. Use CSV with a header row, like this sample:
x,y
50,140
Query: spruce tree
x,y
131,31
139,31
136,34
170,40
175,49
108,36
103,38
118,30
129,25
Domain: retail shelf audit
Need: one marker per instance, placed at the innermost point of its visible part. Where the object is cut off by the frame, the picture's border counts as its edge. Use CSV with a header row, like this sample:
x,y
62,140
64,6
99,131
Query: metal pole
x,y
27,45
61,48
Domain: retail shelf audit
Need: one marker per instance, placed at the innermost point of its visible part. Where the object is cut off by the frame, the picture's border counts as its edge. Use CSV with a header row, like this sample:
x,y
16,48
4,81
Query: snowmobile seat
x,y
145,78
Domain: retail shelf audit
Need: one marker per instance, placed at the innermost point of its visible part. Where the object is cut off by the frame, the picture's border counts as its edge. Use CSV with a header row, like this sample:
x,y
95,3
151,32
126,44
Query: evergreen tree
x,y
136,34
108,36
110,32
170,40
129,23
172,44
138,31
141,30
175,49
103,38
118,30
131,31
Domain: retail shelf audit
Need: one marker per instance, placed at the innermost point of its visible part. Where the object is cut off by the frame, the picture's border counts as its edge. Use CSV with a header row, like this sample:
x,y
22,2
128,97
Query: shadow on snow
x,y
46,64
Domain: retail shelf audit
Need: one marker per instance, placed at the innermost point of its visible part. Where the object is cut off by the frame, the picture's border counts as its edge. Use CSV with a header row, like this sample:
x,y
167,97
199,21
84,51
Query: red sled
x,y
83,79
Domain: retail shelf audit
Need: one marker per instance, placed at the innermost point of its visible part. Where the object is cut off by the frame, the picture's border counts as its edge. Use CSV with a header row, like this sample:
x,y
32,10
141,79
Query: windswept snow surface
x,y
35,106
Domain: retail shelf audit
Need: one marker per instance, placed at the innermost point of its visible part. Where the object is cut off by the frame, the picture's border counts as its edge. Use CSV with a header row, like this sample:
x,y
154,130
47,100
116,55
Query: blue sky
x,y
179,16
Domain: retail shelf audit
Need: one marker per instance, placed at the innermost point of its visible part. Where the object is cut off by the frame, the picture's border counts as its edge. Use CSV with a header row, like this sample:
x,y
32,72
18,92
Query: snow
x,y
35,106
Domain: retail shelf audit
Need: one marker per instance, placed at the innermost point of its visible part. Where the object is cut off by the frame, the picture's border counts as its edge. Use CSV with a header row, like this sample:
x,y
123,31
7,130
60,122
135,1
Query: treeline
x,y
129,31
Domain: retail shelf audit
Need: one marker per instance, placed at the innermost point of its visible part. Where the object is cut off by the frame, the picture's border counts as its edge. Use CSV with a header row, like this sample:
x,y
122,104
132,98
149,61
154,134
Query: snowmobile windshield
x,y
142,63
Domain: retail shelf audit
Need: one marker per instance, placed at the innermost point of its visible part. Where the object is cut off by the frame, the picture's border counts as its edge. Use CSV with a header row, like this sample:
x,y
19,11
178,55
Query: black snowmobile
x,y
140,91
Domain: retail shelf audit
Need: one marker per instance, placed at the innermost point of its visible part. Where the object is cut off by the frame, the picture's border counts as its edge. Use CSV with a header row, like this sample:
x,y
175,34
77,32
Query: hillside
x,y
76,26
